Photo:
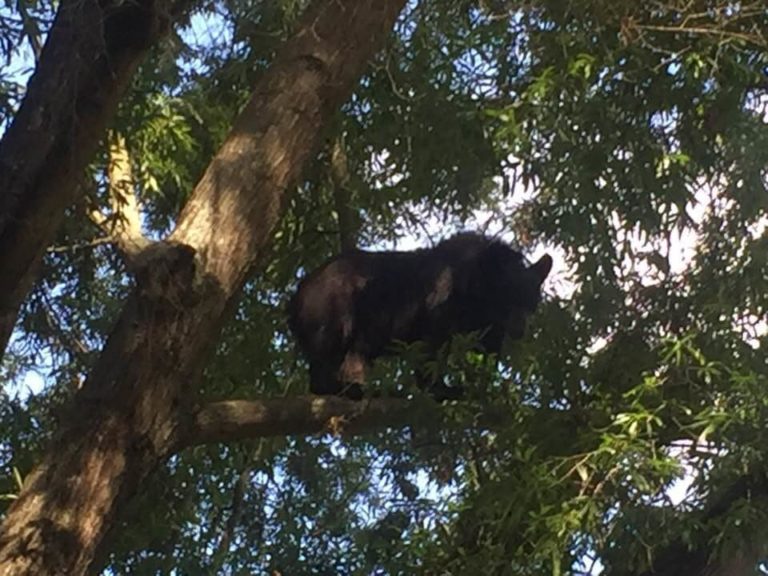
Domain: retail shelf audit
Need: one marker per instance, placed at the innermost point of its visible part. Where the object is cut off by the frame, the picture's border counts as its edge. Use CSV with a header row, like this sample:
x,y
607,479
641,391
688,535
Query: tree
x,y
125,421
627,137
91,52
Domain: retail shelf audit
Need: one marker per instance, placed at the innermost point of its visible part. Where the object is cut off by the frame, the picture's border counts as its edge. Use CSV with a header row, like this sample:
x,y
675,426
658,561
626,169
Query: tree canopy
x,y
624,435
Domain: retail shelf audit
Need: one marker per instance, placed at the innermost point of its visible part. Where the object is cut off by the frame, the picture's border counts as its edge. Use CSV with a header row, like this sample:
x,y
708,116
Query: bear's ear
x,y
542,268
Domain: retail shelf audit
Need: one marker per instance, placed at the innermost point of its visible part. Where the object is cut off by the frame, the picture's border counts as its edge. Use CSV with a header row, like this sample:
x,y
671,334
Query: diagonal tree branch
x,y
700,558
91,53
130,414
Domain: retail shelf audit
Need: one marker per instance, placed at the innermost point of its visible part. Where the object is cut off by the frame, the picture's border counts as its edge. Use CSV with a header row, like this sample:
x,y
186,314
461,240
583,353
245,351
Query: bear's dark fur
x,y
354,307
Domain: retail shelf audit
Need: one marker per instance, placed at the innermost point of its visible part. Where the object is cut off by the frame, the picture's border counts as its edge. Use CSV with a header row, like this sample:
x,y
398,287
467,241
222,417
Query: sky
x,y
680,250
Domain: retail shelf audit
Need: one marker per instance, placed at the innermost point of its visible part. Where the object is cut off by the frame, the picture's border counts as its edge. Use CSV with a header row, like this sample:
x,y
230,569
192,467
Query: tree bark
x,y
246,419
131,413
89,58
230,420
700,558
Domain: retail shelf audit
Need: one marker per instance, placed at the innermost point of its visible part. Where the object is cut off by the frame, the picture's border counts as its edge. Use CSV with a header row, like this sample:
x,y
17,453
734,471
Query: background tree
x,y
628,137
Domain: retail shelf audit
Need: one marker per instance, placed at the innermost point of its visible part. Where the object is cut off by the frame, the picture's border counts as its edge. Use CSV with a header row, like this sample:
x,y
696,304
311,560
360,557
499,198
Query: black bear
x,y
355,306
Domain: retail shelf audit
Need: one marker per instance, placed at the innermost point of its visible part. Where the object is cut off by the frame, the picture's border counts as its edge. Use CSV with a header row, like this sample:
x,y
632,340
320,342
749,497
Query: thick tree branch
x,y
700,558
130,414
242,419
89,57
231,420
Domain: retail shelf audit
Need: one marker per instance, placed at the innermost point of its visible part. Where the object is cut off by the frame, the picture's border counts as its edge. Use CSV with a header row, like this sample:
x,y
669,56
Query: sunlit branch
x,y
123,225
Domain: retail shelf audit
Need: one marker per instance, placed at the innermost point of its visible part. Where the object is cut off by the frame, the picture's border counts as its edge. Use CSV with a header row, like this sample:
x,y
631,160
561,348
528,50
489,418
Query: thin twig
x,y
82,245
701,30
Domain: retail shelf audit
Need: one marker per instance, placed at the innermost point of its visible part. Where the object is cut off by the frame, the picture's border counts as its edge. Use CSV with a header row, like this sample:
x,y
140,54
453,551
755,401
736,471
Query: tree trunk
x,y
90,56
131,411
696,555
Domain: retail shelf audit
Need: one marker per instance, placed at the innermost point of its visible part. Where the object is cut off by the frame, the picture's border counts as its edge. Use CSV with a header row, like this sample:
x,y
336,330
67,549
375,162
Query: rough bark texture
x,y
130,413
91,54
701,559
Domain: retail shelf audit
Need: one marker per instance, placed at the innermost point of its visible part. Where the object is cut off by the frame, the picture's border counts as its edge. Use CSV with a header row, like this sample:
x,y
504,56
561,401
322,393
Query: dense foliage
x,y
628,138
